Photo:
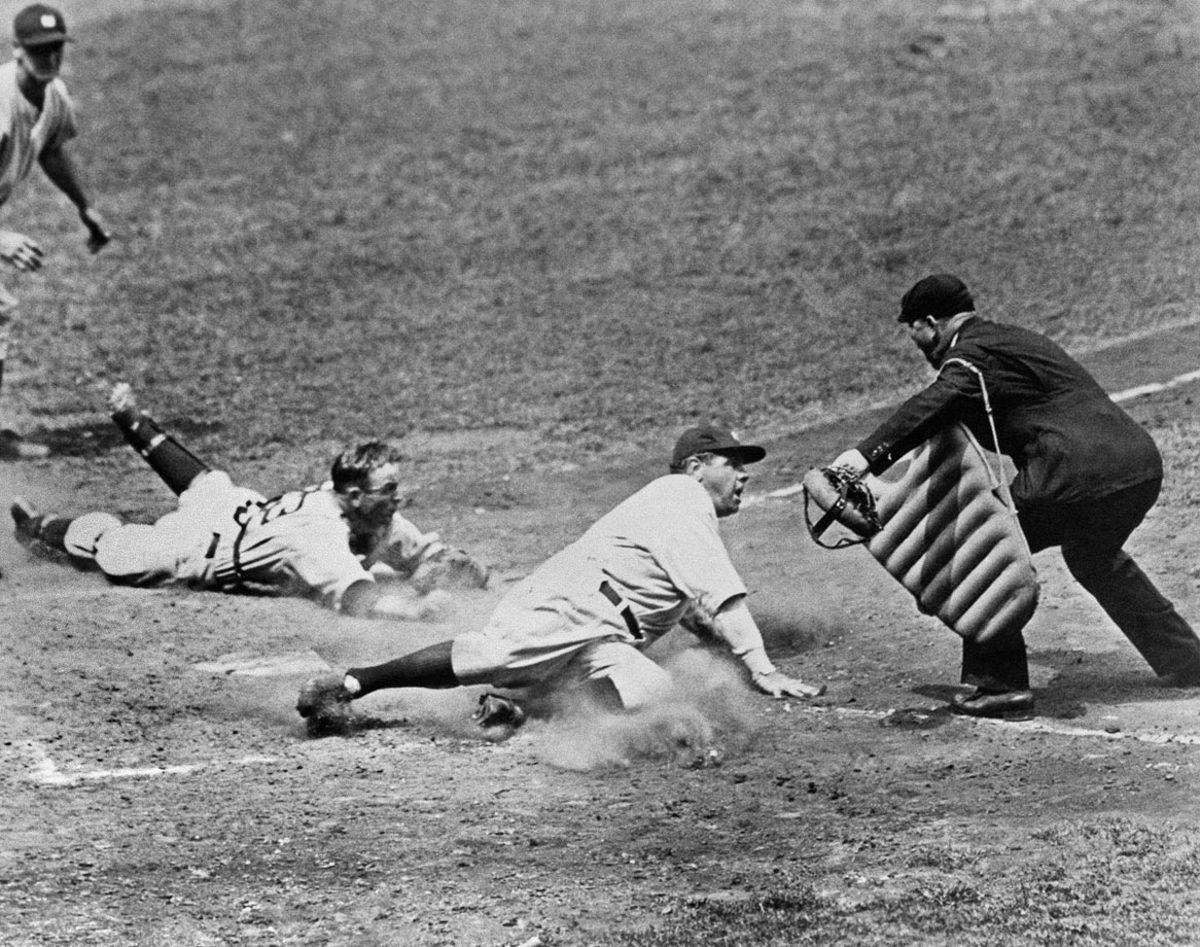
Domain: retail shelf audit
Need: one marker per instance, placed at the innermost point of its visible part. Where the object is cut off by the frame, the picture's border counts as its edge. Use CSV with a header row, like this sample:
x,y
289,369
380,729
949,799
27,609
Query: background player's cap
x,y
710,439
39,25
940,295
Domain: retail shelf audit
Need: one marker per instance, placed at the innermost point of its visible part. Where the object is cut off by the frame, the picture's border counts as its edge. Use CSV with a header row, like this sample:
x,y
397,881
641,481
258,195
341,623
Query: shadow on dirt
x,y
98,437
917,718
1080,682
351,726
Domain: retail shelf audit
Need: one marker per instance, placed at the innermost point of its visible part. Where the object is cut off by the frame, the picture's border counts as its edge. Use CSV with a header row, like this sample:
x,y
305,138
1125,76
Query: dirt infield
x,y
162,790
757,184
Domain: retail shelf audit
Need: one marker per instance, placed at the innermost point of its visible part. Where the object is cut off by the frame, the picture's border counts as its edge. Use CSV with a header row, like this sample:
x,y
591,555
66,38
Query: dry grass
x,y
591,223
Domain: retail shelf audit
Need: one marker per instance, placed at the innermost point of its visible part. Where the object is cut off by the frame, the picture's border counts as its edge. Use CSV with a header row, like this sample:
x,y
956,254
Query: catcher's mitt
x,y
843,497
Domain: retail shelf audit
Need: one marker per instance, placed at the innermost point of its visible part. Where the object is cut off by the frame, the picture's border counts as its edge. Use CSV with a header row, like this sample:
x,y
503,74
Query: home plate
x,y
265,665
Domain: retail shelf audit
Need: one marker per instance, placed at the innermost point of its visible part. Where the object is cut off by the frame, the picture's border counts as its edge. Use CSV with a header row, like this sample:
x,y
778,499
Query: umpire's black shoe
x,y
1188,677
990,704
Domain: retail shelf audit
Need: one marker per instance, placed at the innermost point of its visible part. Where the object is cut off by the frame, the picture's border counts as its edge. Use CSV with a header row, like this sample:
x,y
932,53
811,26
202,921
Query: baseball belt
x,y
623,608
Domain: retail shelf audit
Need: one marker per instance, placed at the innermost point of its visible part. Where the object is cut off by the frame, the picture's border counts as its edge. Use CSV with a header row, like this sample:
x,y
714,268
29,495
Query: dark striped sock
x,y
430,667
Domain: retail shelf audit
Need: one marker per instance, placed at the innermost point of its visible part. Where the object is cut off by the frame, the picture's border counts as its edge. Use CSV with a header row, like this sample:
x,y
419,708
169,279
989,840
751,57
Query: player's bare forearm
x,y
60,168
62,171
736,625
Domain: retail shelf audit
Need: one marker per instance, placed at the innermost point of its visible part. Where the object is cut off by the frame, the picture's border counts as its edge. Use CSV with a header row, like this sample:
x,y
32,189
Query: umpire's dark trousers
x,y
1091,535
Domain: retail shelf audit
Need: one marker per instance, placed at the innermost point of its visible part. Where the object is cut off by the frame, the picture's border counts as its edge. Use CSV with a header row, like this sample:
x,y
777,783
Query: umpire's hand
x,y
778,684
19,252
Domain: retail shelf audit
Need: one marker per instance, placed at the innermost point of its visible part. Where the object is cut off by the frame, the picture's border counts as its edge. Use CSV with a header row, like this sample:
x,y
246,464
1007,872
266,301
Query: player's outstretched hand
x,y
19,252
778,684
98,233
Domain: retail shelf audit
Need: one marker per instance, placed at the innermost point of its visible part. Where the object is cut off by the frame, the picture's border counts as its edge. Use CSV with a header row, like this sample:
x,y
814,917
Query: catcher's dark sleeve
x,y
914,422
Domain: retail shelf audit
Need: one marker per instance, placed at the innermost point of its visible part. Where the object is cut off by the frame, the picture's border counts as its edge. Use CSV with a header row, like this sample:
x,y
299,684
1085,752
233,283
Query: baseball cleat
x,y
985,704
14,447
495,710
41,533
27,521
325,703
121,400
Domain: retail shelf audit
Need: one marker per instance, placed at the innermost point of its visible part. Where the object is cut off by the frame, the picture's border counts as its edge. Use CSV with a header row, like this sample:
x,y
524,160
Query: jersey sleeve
x,y
322,560
915,421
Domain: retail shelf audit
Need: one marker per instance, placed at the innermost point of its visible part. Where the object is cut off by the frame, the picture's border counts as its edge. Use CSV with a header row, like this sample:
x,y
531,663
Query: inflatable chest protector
x,y
950,540
949,534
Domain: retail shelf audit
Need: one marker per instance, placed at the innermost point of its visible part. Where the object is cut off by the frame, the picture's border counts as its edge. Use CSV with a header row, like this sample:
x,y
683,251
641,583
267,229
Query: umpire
x,y
1087,474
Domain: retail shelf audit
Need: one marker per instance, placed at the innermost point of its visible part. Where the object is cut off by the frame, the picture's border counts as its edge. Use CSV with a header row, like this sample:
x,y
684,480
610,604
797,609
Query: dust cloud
x,y
708,714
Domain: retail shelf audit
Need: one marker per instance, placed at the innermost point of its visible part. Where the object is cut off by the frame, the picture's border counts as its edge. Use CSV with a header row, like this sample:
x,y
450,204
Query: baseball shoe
x,y
495,710
29,529
122,401
325,703
14,447
27,521
1188,677
993,704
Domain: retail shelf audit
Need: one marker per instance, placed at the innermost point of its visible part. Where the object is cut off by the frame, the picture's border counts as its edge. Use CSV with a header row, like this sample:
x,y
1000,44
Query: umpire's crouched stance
x,y
1086,476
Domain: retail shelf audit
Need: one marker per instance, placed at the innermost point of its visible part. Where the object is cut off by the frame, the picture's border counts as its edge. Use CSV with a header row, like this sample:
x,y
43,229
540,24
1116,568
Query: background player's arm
x,y
737,627
60,168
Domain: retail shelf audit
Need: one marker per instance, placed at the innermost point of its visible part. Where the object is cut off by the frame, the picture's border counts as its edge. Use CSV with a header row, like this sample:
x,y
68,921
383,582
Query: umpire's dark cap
x,y
940,295
710,439
39,25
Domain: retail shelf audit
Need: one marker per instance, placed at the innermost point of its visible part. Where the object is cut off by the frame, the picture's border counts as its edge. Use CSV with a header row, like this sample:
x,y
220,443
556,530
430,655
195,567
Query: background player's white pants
x,y
8,315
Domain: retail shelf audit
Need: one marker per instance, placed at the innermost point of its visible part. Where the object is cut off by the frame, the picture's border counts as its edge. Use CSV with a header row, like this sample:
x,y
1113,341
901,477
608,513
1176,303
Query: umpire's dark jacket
x,y
1070,442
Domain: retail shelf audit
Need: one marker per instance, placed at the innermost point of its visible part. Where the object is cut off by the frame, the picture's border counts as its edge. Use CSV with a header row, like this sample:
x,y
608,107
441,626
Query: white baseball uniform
x,y
25,131
586,613
223,536
28,130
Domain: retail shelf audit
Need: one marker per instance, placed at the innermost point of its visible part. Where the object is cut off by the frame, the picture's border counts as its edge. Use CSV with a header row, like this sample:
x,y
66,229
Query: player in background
x,y
1087,474
582,618
37,120
340,542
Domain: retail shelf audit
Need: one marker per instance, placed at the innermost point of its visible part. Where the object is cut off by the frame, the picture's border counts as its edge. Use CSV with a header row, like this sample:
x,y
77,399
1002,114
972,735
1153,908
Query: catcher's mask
x,y
843,498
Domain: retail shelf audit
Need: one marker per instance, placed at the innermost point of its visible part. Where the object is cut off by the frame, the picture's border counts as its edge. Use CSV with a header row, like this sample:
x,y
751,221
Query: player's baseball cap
x,y
710,439
940,295
39,25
